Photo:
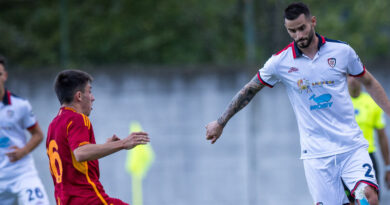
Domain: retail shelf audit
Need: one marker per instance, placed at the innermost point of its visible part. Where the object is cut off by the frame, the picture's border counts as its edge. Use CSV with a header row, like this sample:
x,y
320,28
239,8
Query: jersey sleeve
x,y
355,66
379,118
78,132
28,117
267,75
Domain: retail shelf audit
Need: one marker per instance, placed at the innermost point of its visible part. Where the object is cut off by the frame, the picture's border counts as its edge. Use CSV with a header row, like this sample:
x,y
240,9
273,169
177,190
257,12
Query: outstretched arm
x,y
384,144
96,151
376,91
240,100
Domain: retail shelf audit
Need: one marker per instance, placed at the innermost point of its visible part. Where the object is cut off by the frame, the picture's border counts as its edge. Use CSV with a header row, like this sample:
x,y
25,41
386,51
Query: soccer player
x,y
71,147
370,117
314,71
19,180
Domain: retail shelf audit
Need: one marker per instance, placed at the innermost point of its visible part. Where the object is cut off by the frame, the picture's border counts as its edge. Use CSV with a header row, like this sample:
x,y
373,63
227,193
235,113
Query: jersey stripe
x,y
83,168
79,166
67,128
94,187
87,122
263,82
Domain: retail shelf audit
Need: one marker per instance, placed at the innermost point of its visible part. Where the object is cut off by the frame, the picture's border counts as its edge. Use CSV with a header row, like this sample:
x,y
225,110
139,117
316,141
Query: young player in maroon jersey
x,y
71,147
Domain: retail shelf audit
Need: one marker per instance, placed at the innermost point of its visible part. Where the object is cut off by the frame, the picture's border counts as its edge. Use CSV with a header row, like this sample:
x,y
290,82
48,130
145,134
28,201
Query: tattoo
x,y
241,99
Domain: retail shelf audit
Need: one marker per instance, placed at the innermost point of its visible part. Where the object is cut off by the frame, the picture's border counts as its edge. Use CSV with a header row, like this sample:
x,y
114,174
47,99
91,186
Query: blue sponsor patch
x,y
4,142
322,101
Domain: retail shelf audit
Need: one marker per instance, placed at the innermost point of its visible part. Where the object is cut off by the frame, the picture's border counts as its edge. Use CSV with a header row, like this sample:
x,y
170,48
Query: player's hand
x,y
113,139
134,139
16,154
387,179
213,131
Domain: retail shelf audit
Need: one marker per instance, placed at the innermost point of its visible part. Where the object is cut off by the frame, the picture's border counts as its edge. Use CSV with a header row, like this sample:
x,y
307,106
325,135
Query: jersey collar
x,y
7,98
298,53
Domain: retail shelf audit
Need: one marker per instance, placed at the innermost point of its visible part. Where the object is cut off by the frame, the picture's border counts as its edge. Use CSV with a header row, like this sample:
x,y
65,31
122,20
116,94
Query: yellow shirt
x,y
369,116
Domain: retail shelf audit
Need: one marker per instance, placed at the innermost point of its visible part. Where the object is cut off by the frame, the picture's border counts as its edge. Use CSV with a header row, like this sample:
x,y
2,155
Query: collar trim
x,y
7,98
298,53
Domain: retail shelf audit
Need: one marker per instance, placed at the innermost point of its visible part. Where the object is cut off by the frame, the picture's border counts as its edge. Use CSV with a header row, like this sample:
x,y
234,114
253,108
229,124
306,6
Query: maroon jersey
x,y
74,182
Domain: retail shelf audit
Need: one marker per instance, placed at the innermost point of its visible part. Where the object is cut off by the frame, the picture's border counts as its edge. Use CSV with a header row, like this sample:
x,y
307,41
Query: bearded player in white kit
x,y
314,71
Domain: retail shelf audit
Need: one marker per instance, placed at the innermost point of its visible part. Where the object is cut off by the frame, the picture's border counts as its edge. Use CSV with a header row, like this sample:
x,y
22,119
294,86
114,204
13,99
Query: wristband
x,y
387,168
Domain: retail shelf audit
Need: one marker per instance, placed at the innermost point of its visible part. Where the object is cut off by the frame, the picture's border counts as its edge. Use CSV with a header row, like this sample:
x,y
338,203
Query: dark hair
x,y
294,10
68,82
3,61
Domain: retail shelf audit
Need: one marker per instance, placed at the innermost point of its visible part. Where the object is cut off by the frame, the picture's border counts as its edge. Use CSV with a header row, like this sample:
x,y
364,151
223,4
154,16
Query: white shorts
x,y
26,190
325,175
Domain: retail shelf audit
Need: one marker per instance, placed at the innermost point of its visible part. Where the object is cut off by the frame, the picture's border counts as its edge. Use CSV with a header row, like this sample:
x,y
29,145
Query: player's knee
x,y
373,201
371,195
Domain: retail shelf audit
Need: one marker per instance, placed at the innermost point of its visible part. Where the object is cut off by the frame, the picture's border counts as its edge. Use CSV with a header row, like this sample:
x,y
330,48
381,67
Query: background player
x,y
314,69
19,180
71,145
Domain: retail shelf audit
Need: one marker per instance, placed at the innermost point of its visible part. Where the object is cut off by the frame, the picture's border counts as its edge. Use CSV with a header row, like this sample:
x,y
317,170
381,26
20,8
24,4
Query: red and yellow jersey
x,y
73,181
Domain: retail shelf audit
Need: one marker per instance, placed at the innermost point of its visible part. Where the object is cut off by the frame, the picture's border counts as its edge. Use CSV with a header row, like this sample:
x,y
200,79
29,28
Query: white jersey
x,y
318,92
15,117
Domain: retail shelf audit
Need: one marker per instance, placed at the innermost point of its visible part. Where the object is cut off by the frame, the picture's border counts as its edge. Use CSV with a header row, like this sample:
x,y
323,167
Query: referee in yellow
x,y
370,117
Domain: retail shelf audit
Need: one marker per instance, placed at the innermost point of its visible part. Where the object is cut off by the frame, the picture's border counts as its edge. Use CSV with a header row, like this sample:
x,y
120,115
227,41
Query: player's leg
x,y
374,165
372,195
31,191
323,179
348,193
7,197
357,170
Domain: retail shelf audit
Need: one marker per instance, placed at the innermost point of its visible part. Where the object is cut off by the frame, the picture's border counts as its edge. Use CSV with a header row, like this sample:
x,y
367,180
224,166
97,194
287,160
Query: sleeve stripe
x,y
32,126
360,74
263,82
83,143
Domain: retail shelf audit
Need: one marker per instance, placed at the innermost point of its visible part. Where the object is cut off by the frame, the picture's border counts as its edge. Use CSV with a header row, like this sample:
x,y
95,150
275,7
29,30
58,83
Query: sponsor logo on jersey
x,y
320,83
4,142
293,69
322,101
332,62
305,85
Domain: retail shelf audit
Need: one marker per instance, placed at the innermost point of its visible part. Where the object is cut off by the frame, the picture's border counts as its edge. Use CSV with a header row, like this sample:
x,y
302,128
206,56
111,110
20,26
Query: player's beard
x,y
305,42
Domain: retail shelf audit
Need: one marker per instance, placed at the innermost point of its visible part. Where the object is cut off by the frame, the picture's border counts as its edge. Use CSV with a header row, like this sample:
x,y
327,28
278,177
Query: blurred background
x,y
174,66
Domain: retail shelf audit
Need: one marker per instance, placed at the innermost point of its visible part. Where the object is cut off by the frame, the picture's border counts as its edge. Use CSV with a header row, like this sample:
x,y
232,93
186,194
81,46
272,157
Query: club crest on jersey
x,y
10,113
332,62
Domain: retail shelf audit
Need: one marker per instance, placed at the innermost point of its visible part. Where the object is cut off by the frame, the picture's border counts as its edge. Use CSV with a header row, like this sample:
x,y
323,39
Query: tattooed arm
x,y
243,97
